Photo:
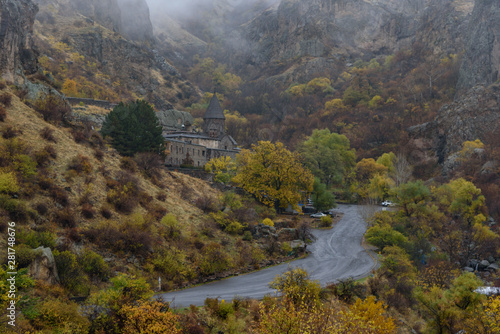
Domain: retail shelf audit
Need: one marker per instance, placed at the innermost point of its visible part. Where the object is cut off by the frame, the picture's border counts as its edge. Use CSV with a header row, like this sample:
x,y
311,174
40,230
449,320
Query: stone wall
x,y
90,102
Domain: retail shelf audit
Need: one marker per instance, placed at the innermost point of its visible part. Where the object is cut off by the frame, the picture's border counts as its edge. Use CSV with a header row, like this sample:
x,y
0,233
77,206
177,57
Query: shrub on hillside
x,y
80,164
17,209
2,85
10,132
6,99
43,156
66,218
88,211
124,192
98,154
59,195
128,164
106,211
35,239
53,108
25,165
42,208
93,264
149,163
207,203
129,237
48,134
3,114
8,183
70,273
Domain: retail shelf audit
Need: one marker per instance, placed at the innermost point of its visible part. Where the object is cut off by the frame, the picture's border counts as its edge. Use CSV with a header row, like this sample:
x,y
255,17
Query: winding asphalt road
x,y
336,254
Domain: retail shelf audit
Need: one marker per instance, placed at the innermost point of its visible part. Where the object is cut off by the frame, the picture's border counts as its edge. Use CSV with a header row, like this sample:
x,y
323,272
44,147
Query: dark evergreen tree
x,y
133,127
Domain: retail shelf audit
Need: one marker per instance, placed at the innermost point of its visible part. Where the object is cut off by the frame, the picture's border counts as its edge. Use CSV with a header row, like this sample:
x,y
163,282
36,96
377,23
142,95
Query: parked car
x,y
318,215
387,203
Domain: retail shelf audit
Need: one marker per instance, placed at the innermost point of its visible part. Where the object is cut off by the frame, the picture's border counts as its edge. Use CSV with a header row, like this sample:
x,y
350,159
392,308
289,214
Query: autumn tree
x,y
223,169
465,234
447,309
328,155
133,127
273,174
149,318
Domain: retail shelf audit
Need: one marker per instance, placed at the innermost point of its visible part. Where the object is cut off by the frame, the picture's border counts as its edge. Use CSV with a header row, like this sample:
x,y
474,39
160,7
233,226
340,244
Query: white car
x,y
318,215
387,203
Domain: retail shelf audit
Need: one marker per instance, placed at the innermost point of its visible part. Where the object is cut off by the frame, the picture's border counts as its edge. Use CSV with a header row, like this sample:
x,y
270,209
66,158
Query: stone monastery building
x,y
188,147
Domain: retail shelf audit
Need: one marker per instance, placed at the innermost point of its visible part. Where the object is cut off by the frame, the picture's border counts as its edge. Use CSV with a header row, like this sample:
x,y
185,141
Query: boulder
x,y
492,267
298,244
483,265
469,269
43,266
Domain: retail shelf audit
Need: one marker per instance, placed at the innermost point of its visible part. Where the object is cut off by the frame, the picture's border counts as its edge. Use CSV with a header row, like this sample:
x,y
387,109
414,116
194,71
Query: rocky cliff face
x,y
106,12
475,115
357,27
135,20
16,43
481,63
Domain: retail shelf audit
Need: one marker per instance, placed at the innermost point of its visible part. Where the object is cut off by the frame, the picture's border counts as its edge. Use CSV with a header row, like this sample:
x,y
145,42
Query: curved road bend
x,y
337,254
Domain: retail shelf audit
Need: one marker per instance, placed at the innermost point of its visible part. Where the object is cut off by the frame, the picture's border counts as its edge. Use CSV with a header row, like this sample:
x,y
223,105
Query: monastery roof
x,y
214,110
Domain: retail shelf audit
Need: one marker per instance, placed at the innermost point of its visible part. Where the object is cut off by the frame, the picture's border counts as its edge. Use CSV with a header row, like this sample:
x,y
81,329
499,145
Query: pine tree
x,y
133,127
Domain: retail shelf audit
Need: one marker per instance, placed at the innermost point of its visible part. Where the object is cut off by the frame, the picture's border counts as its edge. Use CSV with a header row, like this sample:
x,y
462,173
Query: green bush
x,y
25,165
326,221
70,273
234,228
383,236
93,264
214,259
35,239
225,309
8,183
172,264
24,256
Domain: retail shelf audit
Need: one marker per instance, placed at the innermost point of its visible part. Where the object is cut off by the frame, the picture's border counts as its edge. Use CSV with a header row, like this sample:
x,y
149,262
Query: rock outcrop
x,y
481,62
105,12
135,20
16,42
357,27
43,266
474,115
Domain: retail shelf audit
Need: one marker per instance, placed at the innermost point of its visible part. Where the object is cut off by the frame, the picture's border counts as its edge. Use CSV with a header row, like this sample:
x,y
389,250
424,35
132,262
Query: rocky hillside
x,y
16,42
86,51
481,63
475,113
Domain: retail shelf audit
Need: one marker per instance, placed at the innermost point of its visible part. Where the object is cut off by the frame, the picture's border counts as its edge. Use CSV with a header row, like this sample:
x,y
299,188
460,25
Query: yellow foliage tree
x,y
223,169
273,174
149,318
491,316
468,149
69,88
372,313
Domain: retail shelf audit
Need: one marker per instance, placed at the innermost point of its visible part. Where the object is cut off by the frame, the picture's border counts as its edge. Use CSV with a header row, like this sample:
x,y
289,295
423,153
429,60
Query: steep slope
x,y
83,51
475,113
135,21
